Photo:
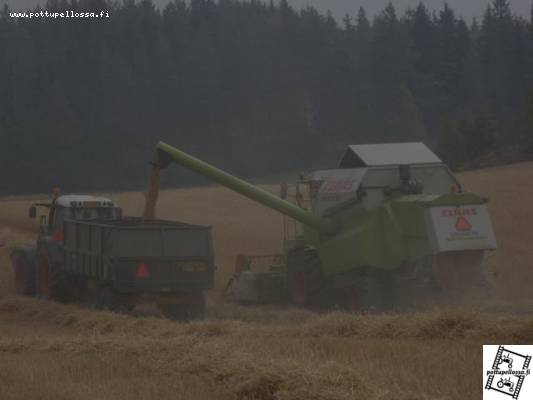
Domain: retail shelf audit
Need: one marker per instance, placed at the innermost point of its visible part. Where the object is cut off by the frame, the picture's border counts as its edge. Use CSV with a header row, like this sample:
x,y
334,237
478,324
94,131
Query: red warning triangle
x,y
462,224
142,271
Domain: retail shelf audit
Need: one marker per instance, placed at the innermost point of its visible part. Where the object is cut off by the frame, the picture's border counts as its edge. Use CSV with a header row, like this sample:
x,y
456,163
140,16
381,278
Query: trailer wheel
x,y
51,282
185,312
24,268
109,299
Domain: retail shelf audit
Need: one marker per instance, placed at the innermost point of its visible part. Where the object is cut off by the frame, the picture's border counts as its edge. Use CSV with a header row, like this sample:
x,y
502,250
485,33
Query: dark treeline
x,y
254,88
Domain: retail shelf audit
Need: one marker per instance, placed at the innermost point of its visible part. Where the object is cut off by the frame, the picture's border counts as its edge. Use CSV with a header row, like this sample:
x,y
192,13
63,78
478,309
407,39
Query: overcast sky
x,y
466,8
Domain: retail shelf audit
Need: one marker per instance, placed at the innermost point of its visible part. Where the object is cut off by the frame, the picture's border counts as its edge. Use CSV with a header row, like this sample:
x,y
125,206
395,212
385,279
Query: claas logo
x,y
455,212
462,224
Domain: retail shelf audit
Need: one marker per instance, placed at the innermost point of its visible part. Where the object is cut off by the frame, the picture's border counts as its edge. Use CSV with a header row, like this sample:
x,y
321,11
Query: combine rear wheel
x,y
443,279
415,286
370,292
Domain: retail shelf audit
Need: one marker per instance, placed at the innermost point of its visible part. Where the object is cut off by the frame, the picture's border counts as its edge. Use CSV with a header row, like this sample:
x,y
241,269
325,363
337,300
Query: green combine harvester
x,y
390,228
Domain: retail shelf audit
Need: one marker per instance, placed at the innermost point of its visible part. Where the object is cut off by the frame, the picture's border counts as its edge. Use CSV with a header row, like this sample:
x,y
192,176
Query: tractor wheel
x,y
304,277
51,282
104,297
195,309
78,289
24,269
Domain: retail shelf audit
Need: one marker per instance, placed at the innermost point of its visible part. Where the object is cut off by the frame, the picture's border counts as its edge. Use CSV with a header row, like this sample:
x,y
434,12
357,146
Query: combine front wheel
x,y
369,294
304,277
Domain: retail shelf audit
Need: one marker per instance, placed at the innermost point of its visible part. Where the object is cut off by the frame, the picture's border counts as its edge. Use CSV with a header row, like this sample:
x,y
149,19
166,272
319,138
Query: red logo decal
x,y
462,224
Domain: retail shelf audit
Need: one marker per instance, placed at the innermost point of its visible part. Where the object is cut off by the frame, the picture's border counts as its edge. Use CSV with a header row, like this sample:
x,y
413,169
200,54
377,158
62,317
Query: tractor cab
x,y
76,207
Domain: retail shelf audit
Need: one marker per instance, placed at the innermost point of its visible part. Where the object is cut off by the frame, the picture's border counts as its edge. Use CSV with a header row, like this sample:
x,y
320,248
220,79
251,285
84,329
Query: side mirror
x,y
33,212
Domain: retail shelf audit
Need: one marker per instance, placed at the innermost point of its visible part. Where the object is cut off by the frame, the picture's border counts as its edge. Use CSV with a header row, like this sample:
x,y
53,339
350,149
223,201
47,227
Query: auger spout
x,y
166,154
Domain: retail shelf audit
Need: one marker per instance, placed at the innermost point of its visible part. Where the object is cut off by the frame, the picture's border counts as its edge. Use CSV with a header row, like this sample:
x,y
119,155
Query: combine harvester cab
x,y
390,228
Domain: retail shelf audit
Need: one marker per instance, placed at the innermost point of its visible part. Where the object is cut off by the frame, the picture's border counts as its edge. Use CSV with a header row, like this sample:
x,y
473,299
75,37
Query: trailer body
x,y
87,252
141,256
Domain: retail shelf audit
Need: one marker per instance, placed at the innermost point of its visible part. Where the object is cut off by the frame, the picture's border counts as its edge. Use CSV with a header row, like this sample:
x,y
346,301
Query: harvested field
x,y
53,351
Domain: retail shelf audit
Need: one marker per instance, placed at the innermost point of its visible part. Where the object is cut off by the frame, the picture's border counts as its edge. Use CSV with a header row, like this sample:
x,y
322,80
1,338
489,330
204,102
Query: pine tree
x,y
390,58
422,34
361,38
531,19
478,135
503,51
530,121
363,26
501,10
347,23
